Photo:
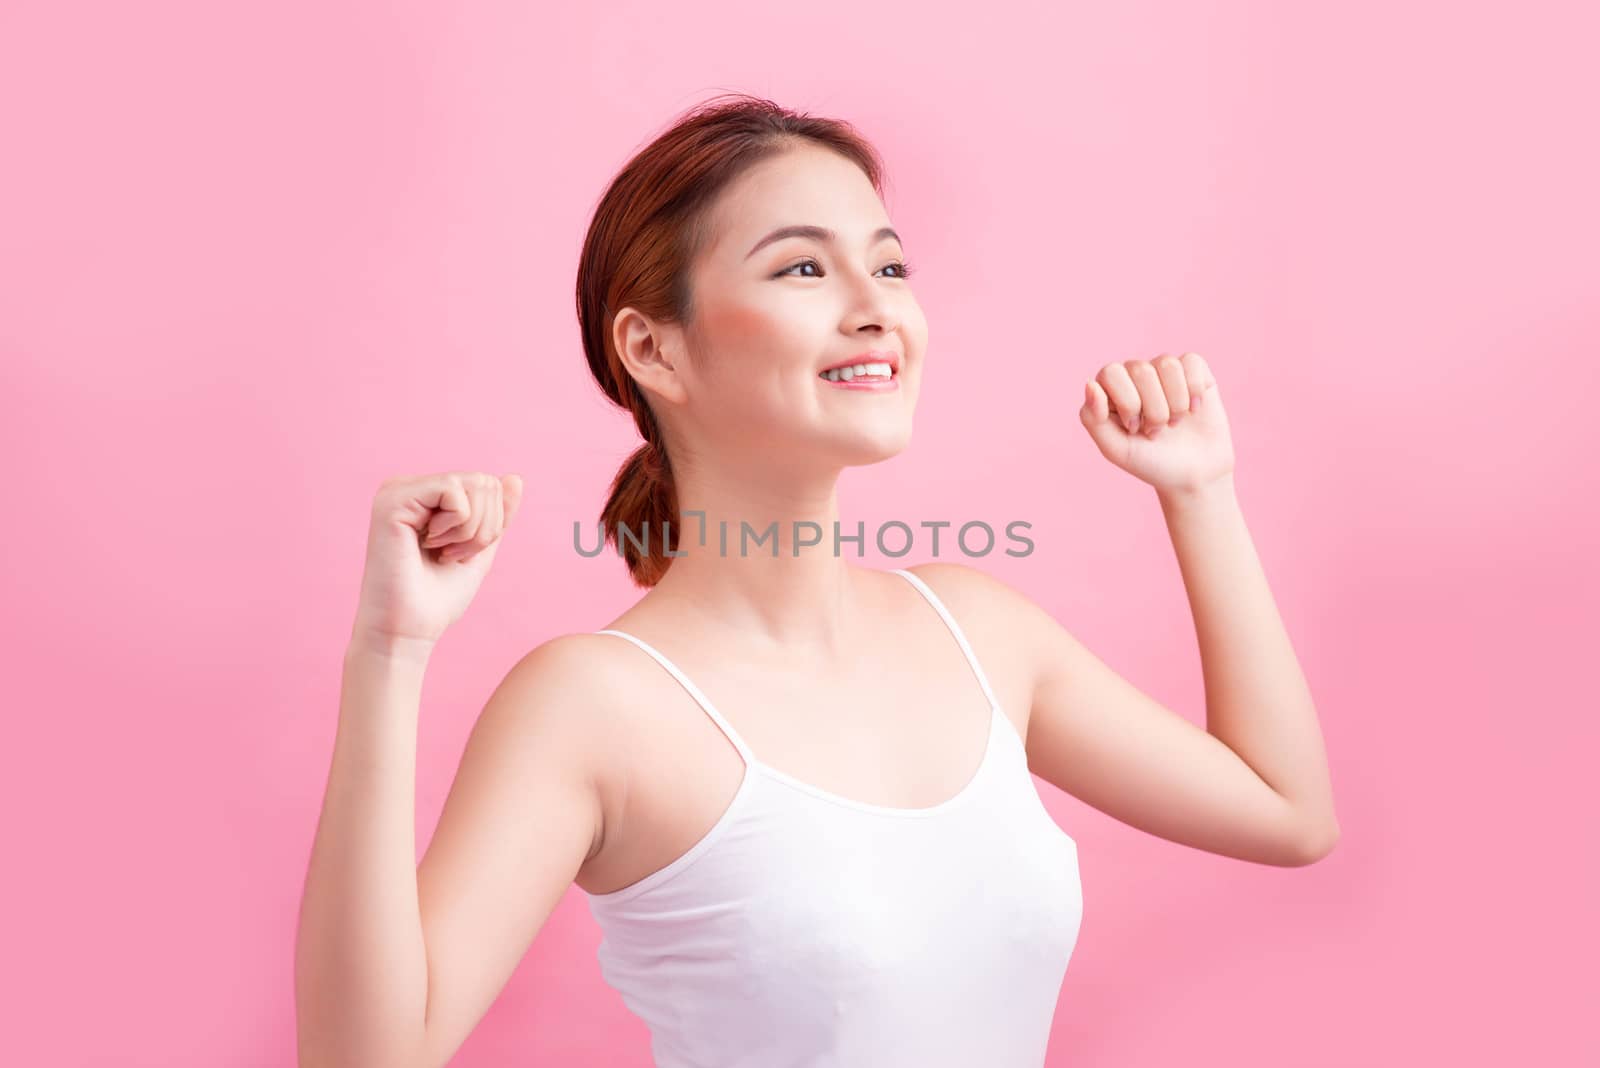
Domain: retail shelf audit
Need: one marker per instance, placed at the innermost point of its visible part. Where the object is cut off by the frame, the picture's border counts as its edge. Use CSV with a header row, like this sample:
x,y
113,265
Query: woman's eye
x,y
802,263
903,269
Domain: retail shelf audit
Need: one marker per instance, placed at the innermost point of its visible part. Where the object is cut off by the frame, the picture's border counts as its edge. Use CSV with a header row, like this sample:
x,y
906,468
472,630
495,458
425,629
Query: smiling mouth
x,y
862,372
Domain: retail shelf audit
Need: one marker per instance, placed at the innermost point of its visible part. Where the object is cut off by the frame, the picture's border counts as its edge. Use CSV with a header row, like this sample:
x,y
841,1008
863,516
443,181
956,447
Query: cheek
x,y
915,325
750,337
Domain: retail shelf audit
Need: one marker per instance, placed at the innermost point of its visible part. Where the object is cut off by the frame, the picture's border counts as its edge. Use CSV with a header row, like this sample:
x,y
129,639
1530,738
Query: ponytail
x,y
641,504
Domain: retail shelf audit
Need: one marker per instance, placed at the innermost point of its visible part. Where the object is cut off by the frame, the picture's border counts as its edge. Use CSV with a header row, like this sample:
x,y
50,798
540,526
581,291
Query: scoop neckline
x,y
756,765
754,769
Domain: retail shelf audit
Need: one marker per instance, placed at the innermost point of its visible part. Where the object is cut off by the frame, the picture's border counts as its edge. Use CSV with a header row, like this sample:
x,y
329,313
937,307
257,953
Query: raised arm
x,y
395,963
1101,739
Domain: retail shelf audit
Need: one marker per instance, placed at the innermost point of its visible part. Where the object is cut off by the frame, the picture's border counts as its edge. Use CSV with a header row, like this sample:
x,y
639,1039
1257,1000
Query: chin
x,y
876,449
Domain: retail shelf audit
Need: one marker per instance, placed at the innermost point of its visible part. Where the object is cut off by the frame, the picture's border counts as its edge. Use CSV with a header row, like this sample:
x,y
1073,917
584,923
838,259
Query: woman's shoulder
x,y
569,683
569,694
972,593
572,671
969,592
1003,624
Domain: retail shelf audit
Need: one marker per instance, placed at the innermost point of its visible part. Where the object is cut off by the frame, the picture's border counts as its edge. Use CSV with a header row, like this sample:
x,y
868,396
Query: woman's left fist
x,y
1161,421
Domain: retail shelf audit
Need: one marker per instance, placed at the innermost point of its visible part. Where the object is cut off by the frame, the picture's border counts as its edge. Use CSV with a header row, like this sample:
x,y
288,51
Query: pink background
x,y
254,259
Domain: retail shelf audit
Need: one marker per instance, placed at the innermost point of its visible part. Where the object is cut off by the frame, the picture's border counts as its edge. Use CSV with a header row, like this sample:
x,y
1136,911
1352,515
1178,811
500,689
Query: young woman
x,y
796,791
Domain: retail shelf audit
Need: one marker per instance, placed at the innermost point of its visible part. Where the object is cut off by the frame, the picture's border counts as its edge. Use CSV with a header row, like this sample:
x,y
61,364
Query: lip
x,y
888,356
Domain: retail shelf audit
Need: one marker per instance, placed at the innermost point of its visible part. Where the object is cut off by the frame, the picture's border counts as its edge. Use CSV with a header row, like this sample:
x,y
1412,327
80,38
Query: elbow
x,y
1317,845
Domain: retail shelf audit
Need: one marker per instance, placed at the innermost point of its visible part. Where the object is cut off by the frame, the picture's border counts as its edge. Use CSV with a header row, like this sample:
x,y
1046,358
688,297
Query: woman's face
x,y
772,312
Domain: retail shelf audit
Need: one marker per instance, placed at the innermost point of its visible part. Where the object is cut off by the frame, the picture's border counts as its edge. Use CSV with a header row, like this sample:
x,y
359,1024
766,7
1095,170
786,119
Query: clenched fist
x,y
431,542
1161,421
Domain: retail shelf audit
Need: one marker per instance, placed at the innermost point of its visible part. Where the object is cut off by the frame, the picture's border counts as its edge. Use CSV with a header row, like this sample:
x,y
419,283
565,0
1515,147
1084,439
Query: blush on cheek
x,y
742,332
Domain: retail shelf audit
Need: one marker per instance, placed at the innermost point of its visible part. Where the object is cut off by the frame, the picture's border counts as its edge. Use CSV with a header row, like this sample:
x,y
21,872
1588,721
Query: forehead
x,y
805,185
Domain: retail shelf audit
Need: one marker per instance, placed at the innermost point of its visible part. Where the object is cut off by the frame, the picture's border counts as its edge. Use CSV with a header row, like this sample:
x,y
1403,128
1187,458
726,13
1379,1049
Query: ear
x,y
652,352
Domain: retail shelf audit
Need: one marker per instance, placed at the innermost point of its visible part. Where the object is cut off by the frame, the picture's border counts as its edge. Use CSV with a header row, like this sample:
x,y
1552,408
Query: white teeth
x,y
845,374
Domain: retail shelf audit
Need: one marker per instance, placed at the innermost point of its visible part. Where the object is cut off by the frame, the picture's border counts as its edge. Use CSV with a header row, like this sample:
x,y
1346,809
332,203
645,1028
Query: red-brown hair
x,y
648,228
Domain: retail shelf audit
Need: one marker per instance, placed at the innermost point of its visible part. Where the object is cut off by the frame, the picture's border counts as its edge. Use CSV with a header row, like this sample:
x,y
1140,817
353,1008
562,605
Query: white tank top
x,y
809,929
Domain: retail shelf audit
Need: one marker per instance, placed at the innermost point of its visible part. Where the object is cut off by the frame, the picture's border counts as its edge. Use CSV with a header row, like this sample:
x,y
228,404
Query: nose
x,y
870,308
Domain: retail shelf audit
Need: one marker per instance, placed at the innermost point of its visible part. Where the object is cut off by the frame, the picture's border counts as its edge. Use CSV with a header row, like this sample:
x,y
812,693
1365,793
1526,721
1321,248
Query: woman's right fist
x,y
432,539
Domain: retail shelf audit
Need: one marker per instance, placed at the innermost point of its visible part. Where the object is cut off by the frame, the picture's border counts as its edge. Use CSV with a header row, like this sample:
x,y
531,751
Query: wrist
x,y
393,648
1201,495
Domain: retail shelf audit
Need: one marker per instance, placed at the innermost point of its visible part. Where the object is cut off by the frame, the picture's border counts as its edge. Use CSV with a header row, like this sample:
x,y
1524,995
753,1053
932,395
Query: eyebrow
x,y
818,233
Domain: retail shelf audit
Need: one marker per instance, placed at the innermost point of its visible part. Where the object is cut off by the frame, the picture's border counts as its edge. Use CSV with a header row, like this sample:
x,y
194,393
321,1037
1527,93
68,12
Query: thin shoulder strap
x,y
955,629
694,691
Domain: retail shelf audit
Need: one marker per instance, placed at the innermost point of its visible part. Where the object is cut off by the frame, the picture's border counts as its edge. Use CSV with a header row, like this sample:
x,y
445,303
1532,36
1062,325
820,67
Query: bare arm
x,y
1257,699
361,967
396,963
1097,736
522,817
